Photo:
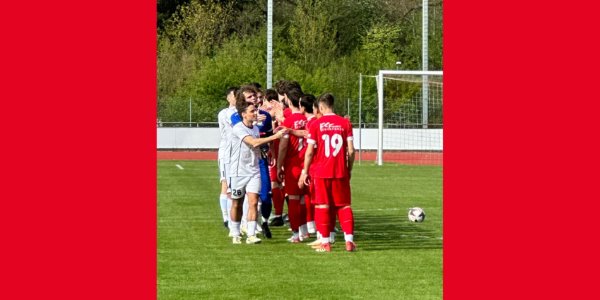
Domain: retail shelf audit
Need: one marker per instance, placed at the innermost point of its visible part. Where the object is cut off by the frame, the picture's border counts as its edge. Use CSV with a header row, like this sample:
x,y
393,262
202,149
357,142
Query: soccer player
x,y
289,163
244,167
277,196
225,126
265,128
332,137
306,108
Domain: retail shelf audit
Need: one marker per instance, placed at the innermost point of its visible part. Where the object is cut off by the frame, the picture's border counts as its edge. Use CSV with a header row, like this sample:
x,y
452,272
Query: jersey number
x,y
334,142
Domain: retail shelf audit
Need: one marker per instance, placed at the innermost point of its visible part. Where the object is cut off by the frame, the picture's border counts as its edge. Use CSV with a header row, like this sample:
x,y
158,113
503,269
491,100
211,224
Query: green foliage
x,y
206,46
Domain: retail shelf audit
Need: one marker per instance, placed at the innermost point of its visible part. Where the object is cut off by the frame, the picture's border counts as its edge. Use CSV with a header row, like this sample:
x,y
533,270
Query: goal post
x,y
413,97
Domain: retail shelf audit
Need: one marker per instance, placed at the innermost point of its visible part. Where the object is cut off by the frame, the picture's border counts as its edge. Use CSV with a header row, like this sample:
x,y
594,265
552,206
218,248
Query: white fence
x,y
208,138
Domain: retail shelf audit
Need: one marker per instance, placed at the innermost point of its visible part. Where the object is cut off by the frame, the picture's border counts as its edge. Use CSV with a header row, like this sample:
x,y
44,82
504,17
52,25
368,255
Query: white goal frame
x,y
380,78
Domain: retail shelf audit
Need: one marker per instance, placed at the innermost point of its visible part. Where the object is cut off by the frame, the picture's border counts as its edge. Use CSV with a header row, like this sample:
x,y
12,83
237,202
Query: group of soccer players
x,y
284,144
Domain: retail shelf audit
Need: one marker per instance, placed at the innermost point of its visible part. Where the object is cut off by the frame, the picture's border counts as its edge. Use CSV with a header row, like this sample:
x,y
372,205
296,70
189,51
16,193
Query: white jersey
x,y
244,158
225,130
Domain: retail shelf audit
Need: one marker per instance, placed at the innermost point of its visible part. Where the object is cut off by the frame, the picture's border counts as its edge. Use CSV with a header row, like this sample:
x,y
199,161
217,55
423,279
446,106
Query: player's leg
x,y
223,196
343,200
322,213
276,197
252,191
238,192
265,196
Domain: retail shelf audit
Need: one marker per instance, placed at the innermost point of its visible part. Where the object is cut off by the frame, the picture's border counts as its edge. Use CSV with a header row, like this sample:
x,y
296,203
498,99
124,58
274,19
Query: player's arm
x,y
351,153
299,133
308,157
254,142
283,146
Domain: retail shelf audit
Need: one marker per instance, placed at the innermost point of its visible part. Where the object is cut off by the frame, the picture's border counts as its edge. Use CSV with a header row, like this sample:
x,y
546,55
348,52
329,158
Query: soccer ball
x,y
416,214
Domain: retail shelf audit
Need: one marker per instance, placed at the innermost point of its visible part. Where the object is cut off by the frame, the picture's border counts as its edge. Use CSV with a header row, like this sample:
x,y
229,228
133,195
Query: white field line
x,y
180,167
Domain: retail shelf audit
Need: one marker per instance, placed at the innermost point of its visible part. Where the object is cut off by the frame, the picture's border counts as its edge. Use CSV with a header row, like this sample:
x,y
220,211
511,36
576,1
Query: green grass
x,y
396,259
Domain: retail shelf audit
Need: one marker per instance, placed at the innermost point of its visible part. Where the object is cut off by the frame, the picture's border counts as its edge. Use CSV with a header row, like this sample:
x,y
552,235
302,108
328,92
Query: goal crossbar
x,y
380,78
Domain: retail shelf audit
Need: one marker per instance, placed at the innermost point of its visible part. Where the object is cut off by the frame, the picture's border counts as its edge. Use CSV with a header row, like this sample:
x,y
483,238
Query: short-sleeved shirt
x,y
244,158
225,127
265,129
330,134
295,150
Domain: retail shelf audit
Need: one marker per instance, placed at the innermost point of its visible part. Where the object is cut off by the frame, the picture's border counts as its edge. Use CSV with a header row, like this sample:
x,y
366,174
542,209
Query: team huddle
x,y
281,146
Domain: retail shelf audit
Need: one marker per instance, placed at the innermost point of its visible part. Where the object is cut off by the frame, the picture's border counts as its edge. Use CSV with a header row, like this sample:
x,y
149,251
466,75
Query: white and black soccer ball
x,y
416,214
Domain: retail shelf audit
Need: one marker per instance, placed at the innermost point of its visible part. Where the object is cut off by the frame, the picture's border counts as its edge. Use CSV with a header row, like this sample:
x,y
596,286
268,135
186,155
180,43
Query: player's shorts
x,y
292,175
223,170
241,185
332,191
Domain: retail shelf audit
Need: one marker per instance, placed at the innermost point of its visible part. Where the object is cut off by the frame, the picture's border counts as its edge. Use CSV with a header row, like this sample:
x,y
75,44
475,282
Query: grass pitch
x,y
396,259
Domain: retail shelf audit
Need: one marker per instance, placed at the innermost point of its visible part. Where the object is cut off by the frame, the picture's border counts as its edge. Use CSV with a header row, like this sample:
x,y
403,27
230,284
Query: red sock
x,y
310,209
322,221
294,214
346,219
277,197
302,219
332,213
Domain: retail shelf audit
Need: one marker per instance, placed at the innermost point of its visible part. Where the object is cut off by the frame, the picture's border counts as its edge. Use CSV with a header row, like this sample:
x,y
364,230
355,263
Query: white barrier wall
x,y
208,138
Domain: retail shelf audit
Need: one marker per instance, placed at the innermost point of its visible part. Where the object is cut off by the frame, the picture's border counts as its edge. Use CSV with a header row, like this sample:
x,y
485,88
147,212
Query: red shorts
x,y
332,191
292,175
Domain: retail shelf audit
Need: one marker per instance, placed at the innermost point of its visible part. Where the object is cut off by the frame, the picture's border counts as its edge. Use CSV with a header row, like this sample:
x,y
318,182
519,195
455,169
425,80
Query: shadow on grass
x,y
375,232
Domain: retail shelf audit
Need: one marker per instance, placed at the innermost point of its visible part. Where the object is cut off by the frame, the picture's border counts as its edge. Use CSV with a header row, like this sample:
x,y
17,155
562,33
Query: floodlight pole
x,y
425,53
359,118
380,113
269,43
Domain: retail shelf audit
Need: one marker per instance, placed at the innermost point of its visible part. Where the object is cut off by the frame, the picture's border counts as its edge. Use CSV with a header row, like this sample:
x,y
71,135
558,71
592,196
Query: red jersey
x,y
330,134
295,150
309,123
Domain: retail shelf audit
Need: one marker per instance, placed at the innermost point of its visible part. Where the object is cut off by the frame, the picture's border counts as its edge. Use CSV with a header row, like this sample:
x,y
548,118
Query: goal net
x,y
410,115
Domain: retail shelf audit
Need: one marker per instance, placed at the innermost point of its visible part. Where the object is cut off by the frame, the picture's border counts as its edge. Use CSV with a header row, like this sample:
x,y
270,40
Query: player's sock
x,y
277,198
234,228
332,218
311,227
265,210
303,230
302,217
322,221
349,237
223,203
251,228
294,214
346,220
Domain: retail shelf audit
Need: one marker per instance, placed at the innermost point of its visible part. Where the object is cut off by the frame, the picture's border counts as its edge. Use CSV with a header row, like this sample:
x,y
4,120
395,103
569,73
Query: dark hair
x,y
326,99
284,86
271,94
231,89
281,86
307,102
294,96
256,85
239,97
241,106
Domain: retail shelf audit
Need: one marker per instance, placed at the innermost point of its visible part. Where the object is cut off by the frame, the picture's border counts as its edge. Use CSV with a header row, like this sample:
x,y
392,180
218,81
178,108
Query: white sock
x,y
303,230
234,228
324,240
332,236
349,237
311,226
223,203
251,228
319,236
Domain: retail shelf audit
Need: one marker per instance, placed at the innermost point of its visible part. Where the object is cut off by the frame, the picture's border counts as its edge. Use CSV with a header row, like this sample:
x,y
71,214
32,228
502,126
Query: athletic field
x,y
396,259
